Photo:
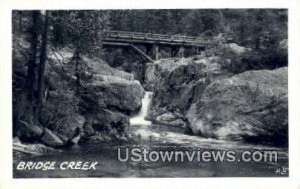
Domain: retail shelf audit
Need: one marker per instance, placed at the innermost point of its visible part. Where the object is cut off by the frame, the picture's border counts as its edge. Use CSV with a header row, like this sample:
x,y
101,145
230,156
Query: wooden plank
x,y
121,41
114,44
150,36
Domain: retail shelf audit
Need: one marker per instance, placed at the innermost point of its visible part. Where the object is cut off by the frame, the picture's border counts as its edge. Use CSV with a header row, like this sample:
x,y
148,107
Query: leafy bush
x,y
249,60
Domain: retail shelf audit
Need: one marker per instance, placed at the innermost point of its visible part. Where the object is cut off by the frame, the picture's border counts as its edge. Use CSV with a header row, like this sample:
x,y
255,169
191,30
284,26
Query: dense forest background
x,y
259,29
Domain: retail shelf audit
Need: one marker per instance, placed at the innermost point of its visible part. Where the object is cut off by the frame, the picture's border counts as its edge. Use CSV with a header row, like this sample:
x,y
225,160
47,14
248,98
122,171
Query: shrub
x,y
250,60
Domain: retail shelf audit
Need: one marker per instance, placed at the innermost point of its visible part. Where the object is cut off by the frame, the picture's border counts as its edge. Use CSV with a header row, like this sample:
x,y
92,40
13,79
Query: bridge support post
x,y
181,52
173,52
156,52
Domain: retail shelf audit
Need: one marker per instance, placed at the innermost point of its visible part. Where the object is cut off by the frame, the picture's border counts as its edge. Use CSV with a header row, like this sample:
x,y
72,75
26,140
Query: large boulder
x,y
176,84
27,130
251,106
162,116
113,93
237,49
105,125
51,139
67,127
102,68
107,101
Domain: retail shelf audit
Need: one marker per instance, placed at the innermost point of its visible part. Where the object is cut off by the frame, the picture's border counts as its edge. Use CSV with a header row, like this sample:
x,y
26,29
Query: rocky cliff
x,y
211,102
98,110
177,83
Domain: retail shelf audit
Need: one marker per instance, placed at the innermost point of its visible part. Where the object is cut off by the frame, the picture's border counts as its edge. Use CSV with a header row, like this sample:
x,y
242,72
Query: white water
x,y
139,119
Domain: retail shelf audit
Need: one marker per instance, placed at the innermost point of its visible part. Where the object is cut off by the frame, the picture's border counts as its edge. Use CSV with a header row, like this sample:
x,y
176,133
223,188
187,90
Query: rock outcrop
x,y
27,131
51,139
211,102
113,93
177,84
237,49
107,102
77,107
105,125
32,149
251,106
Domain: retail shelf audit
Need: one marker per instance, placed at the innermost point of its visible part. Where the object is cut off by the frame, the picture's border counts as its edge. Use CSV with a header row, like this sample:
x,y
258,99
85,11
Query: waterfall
x,y
139,119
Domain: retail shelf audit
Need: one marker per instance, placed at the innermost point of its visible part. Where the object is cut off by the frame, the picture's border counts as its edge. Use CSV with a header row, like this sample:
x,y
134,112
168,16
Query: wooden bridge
x,y
152,42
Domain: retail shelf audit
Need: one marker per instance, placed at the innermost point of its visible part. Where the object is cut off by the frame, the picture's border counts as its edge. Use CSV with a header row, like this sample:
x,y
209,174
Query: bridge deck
x,y
144,38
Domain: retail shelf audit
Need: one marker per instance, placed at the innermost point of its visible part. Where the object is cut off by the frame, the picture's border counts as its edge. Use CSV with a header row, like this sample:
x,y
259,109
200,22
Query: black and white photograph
x,y
150,93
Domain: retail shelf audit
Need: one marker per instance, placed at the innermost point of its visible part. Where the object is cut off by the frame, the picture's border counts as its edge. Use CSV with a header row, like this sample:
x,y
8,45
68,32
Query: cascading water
x,y
139,119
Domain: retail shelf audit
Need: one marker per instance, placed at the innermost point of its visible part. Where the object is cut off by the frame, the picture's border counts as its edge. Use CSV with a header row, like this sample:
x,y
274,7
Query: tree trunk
x,y
20,21
32,59
43,58
77,59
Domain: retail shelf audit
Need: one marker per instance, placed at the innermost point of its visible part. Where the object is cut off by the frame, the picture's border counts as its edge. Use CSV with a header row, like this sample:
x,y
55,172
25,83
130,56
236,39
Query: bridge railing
x,y
155,37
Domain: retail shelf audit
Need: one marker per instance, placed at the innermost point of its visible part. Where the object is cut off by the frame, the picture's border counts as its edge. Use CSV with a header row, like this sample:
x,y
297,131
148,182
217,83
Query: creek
x,y
154,139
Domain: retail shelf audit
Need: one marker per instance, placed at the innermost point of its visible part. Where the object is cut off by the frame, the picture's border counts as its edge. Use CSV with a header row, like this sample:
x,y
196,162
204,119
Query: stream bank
x,y
146,136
